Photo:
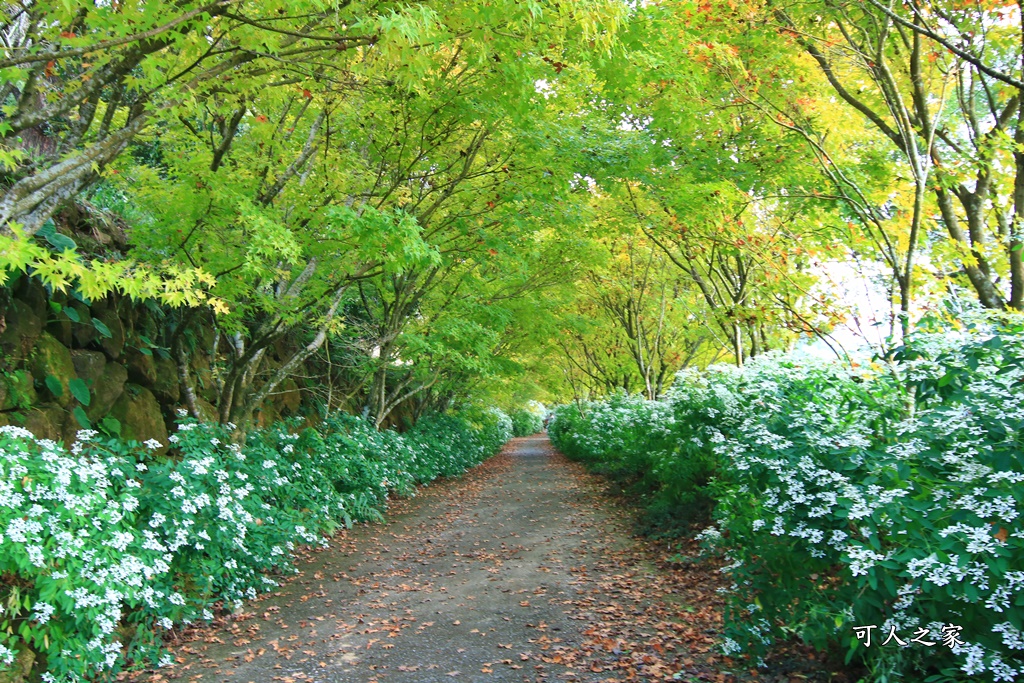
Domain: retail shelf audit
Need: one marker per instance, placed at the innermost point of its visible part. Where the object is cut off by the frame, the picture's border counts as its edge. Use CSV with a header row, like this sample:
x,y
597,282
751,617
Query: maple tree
x,y
435,209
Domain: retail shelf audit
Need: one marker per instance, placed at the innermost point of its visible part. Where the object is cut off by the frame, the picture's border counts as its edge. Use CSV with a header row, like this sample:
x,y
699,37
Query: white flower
x,y
153,444
17,433
42,612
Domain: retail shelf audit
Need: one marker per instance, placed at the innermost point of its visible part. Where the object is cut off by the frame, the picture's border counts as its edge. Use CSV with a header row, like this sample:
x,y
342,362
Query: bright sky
x,y
858,288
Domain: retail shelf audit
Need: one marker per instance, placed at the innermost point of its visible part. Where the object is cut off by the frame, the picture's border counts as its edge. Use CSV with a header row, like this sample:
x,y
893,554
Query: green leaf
x,y
47,230
101,328
80,391
72,314
54,386
61,242
111,425
82,418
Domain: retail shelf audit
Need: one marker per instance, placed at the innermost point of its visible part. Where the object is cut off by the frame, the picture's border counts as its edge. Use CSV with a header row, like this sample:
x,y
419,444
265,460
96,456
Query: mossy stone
x,y
166,387
50,358
139,414
46,421
141,367
106,390
83,332
207,411
22,330
113,345
21,669
88,365
288,397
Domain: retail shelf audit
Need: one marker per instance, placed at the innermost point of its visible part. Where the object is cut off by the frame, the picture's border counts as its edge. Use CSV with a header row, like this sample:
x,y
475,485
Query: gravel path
x,y
515,572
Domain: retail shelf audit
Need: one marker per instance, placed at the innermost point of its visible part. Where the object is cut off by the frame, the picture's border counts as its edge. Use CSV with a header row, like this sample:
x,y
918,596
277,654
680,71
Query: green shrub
x,y
626,438
886,496
528,420
103,547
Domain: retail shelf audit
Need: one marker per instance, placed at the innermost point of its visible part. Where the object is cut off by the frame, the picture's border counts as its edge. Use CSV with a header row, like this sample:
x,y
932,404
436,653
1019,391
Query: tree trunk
x,y
1015,243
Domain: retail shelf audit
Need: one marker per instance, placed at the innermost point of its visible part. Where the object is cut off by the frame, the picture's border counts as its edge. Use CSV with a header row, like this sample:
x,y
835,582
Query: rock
x,y
106,390
83,332
141,368
114,344
33,293
99,306
69,430
267,414
23,328
89,365
166,387
139,414
58,324
46,421
62,329
51,358
207,411
21,668
288,397
17,390
205,385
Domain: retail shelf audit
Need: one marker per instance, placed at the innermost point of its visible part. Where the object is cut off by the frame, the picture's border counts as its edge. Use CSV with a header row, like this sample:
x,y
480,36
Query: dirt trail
x,y
516,572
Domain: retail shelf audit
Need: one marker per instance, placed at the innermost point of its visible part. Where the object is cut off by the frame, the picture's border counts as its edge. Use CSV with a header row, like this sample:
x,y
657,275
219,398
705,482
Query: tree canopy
x,y
529,200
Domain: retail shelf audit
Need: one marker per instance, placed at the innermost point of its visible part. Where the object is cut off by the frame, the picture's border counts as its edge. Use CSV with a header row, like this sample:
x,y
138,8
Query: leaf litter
x,y
521,570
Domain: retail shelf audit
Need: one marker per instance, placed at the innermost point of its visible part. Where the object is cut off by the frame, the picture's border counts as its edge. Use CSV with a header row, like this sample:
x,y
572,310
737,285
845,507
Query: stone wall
x,y
63,359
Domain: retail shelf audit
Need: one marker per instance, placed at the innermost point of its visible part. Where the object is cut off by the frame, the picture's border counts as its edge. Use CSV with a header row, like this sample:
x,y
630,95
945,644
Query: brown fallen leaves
x,y
652,618
636,615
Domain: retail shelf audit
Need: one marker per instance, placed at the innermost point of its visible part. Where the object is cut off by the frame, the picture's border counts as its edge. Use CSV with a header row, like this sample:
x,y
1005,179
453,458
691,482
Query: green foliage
x,y
105,547
632,441
528,419
17,388
80,390
53,385
81,418
836,507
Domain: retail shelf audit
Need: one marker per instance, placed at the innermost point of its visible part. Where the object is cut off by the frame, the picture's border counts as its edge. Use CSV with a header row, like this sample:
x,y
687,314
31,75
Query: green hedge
x,y
103,547
528,420
886,495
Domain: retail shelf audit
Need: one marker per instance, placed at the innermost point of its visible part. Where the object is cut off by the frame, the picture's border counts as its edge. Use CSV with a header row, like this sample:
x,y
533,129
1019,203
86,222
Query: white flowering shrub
x,y
104,547
887,496
634,442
